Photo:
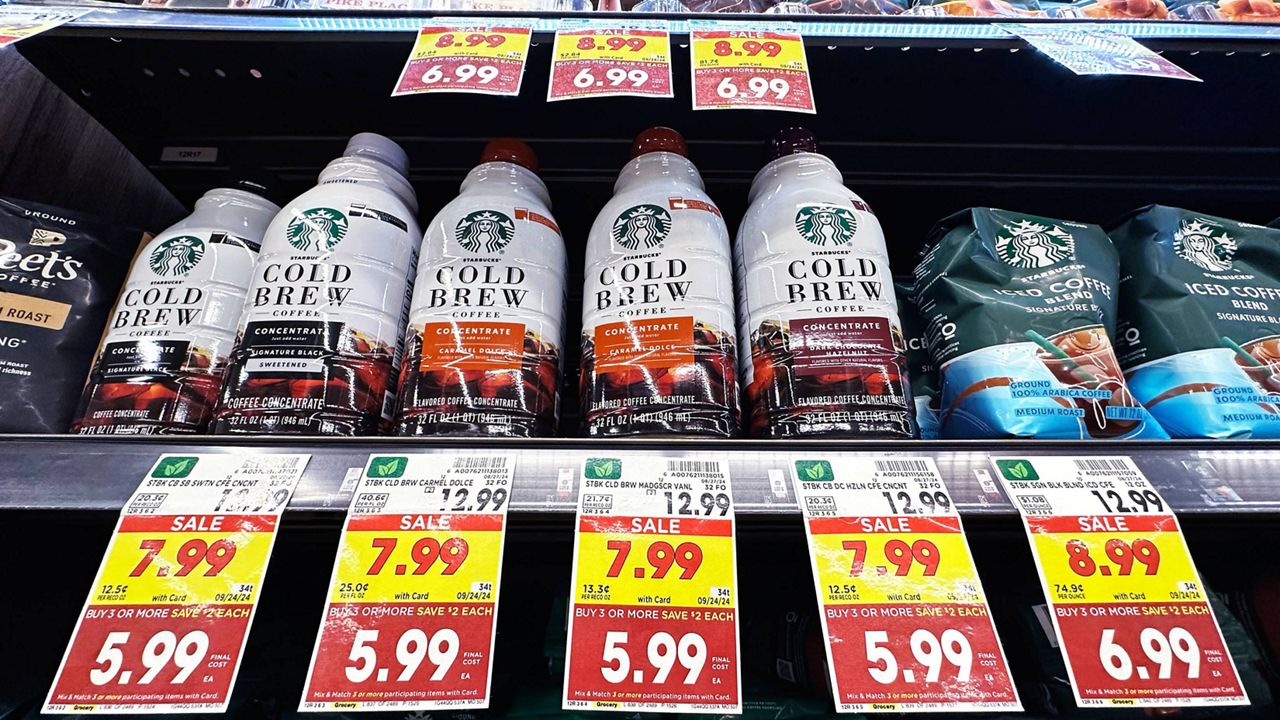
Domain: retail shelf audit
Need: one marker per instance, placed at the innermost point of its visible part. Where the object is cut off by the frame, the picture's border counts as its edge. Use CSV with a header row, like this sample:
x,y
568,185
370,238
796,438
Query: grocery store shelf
x,y
822,28
72,473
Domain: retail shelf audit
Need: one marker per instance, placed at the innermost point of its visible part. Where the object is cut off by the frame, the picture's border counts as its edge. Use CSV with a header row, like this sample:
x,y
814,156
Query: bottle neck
x,y
502,178
664,167
235,211
796,168
367,171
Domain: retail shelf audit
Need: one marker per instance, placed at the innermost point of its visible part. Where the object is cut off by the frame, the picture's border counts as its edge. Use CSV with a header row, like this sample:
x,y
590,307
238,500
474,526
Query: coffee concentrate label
x,y
658,349
170,335
826,352
320,337
486,323
1199,330
1019,312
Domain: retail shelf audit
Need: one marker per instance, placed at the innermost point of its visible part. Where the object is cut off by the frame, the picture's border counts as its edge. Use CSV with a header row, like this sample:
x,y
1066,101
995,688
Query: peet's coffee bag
x,y
1018,313
1199,327
921,370
59,273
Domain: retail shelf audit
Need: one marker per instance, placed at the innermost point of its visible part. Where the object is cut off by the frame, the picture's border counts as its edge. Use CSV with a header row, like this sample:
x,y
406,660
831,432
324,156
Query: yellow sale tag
x,y
749,66
629,569
476,58
747,49
621,45
432,566
1146,563
505,43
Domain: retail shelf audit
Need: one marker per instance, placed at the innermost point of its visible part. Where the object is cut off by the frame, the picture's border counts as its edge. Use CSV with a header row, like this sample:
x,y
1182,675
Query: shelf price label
x,y
473,58
165,624
594,60
409,621
907,622
1129,609
1096,49
18,23
653,621
744,66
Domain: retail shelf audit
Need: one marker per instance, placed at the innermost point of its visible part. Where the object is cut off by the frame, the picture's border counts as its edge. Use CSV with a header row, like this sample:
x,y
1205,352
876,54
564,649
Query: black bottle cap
x,y
259,182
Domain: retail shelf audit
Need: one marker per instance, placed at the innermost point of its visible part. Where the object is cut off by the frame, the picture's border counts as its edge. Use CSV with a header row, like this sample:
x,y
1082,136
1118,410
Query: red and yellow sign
x,y
741,66
166,621
602,61
472,58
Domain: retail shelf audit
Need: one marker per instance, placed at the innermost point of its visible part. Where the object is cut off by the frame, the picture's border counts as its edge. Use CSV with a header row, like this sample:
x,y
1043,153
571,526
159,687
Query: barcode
x,y
270,462
1103,465
919,466
694,466
479,462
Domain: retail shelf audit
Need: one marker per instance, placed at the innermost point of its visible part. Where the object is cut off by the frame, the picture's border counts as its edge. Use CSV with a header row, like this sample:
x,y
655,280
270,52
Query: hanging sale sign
x,y
653,621
485,57
749,66
19,22
1127,603
907,623
165,625
409,622
598,60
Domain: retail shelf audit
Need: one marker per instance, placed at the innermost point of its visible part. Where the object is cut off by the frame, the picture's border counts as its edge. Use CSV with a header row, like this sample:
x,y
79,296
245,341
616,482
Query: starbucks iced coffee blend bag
x,y
658,354
1199,327
486,321
822,347
923,373
1018,313
319,343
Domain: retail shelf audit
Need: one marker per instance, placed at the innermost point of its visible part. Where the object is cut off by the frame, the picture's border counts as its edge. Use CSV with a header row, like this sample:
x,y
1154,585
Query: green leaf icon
x,y
388,467
1019,471
174,467
603,468
814,471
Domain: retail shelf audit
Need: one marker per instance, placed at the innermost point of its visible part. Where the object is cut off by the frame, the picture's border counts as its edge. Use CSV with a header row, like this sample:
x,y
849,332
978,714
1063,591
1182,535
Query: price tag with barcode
x,y
1130,611
907,623
409,621
653,622
165,624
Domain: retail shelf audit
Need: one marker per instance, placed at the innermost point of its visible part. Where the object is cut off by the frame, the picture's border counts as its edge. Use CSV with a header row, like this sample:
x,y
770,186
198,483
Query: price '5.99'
x,y
412,647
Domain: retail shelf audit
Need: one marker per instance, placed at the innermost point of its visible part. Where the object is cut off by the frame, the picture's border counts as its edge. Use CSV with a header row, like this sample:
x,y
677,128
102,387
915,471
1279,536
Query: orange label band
x,y
472,346
654,344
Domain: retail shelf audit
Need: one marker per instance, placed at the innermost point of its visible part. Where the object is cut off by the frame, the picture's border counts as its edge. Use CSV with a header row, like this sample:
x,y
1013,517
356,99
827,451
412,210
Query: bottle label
x,y
486,323
170,336
321,331
658,352
826,352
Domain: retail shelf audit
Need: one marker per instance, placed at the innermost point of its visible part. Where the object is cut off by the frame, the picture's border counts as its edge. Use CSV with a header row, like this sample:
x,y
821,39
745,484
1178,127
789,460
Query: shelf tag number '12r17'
x,y
475,57
165,624
409,622
906,619
1131,613
746,66
653,621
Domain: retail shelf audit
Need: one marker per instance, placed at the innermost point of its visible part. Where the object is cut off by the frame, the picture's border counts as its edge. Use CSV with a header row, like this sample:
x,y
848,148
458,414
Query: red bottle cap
x,y
510,150
659,139
792,140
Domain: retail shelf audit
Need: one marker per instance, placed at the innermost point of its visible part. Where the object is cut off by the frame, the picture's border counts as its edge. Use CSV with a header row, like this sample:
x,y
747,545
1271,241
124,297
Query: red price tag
x,y
409,623
653,623
607,61
749,68
485,59
1127,604
906,619
165,625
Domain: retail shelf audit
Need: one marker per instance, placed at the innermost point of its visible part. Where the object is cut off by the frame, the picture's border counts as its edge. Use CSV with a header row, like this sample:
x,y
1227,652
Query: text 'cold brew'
x,y
658,354
170,336
320,337
486,321
822,348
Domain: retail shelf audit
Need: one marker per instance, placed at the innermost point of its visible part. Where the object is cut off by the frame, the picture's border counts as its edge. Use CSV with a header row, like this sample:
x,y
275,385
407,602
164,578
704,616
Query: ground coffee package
x,y
923,373
1199,327
1018,313
59,274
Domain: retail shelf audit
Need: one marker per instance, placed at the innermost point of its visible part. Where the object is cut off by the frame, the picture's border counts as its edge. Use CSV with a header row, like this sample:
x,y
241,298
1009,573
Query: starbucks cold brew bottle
x,y
486,321
822,346
161,363
658,353
320,338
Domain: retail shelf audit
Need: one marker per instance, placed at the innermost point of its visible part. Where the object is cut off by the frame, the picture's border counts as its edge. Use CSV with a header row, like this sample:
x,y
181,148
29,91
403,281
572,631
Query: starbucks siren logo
x,y
641,227
1195,243
484,230
176,256
826,225
1033,245
317,229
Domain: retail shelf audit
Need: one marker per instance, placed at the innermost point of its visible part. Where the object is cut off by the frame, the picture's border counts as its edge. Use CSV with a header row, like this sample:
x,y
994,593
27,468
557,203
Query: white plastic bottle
x,y
486,325
658,352
321,335
822,347
161,362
